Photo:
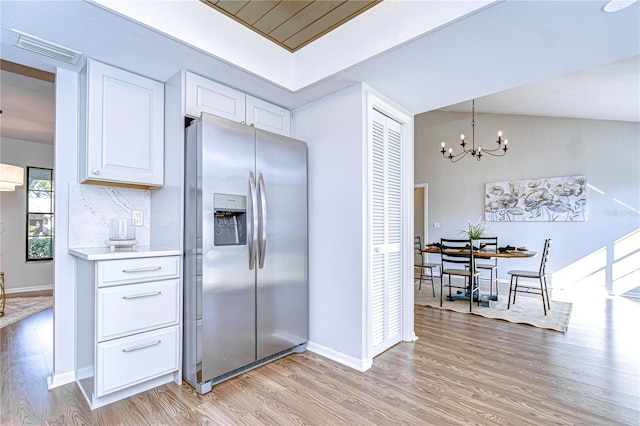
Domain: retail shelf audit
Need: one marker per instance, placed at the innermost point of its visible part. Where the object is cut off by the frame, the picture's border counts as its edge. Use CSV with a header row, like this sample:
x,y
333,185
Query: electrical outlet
x,y
137,217
436,225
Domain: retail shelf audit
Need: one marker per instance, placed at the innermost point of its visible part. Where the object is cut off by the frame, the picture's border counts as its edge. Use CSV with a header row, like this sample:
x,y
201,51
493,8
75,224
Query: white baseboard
x,y
351,362
28,289
56,380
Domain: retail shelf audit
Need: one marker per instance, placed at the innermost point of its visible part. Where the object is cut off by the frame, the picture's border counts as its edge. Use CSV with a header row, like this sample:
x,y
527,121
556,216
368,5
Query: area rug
x,y
526,310
17,308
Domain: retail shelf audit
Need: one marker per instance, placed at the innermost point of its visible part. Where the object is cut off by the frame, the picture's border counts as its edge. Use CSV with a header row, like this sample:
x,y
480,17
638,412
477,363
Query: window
x,y
39,214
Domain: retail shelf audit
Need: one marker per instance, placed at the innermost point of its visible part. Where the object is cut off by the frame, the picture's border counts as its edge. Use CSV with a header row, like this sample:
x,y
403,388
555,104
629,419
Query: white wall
x,y
65,172
333,130
21,275
585,255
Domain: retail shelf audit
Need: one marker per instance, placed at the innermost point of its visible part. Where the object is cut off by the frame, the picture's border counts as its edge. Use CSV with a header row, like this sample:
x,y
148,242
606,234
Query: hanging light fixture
x,y
10,177
478,152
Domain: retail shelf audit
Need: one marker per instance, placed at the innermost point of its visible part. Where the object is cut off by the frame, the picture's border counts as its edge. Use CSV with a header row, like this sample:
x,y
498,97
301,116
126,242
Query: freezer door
x,y
228,284
282,306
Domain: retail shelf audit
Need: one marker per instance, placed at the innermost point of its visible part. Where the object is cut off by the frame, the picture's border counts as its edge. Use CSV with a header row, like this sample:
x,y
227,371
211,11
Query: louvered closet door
x,y
385,205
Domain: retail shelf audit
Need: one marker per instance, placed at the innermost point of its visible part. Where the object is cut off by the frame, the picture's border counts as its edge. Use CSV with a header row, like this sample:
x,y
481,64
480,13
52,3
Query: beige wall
x,y
19,274
418,213
600,254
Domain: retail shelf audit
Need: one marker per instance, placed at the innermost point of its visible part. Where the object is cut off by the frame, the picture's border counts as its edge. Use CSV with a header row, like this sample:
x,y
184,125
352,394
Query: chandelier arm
x,y
457,157
492,152
500,148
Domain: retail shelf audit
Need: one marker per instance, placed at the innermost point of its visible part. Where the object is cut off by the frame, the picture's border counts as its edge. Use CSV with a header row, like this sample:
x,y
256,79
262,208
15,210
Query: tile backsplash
x,y
91,208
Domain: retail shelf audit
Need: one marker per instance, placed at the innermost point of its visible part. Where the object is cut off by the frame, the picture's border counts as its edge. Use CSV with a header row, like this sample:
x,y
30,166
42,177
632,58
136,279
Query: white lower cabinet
x,y
128,322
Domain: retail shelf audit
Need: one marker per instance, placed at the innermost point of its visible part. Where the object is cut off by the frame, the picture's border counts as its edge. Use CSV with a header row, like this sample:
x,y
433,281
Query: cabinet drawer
x,y
124,271
131,360
134,308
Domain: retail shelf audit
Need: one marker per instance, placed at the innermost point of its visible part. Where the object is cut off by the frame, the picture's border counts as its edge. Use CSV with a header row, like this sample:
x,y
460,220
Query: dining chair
x,y
491,265
457,259
539,287
417,245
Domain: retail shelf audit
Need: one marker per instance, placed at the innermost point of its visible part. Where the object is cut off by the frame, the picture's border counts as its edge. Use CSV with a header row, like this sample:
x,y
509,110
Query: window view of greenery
x,y
39,214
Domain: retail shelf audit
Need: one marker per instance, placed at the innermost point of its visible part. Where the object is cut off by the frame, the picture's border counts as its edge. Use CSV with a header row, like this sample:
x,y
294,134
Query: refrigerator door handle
x,y
253,229
262,228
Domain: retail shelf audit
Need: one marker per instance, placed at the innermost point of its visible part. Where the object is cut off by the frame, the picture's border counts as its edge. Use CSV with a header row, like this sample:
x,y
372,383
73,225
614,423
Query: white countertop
x,y
104,253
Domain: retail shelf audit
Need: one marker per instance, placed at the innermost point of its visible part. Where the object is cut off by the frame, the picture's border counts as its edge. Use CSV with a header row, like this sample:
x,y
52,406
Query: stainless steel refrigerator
x,y
245,269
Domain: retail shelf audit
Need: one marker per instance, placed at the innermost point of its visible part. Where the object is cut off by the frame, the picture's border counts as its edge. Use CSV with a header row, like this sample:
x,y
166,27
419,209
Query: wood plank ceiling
x,y
292,24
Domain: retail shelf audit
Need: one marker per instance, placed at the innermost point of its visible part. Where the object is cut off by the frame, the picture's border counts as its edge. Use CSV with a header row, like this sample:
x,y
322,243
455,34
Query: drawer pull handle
x,y
146,345
151,268
137,296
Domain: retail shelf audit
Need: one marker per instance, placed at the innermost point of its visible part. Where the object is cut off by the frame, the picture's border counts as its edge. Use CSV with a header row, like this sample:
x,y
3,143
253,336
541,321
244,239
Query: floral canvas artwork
x,y
555,199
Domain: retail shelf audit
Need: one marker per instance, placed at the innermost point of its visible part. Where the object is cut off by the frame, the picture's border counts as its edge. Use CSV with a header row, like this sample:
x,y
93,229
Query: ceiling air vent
x,y
46,48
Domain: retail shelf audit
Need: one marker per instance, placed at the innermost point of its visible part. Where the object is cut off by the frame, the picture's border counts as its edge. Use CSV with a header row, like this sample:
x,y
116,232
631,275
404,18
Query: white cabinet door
x,y
204,95
269,117
385,227
124,137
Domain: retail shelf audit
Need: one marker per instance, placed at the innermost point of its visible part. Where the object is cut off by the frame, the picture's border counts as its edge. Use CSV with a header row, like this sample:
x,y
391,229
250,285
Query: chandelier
x,y
478,152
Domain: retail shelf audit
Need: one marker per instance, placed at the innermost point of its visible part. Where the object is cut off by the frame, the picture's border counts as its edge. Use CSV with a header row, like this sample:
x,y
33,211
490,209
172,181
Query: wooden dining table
x,y
485,299
485,254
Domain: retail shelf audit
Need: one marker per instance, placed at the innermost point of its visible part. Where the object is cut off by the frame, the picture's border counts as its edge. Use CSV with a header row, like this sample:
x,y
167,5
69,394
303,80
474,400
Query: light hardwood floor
x,y
463,370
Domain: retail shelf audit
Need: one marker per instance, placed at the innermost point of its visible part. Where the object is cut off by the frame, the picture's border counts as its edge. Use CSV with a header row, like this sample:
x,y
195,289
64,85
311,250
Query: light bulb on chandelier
x,y
478,152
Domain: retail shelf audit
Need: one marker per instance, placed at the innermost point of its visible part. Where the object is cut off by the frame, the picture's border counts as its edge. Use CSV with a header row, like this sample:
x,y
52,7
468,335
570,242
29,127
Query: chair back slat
x,y
545,256
450,252
418,256
489,244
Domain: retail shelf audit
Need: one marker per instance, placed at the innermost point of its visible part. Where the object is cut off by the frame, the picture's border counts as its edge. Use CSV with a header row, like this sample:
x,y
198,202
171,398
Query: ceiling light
x,y
478,152
616,5
7,187
10,177
46,48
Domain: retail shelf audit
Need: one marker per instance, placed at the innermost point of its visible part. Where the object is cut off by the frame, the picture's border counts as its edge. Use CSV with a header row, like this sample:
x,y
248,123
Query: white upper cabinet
x,y
122,127
204,95
269,117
